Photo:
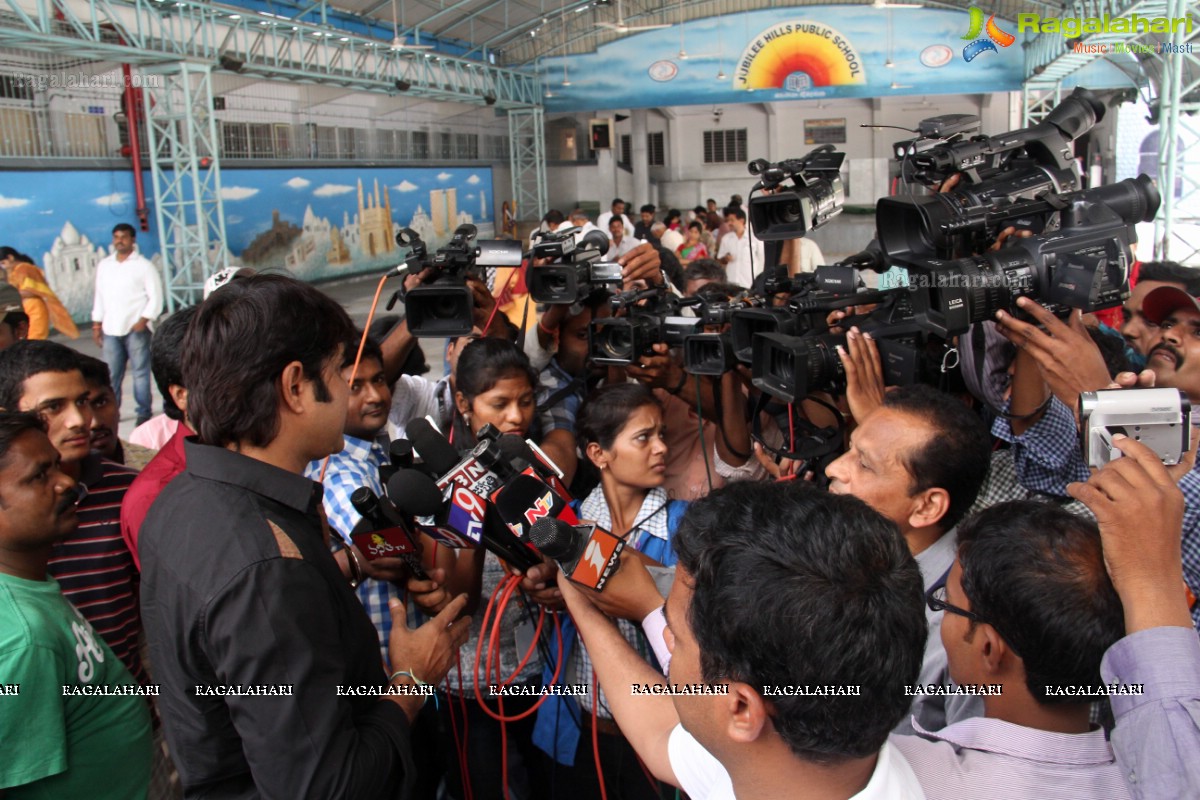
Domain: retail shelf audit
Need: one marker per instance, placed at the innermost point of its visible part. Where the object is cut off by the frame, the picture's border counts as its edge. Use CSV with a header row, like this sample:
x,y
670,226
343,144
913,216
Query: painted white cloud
x,y
332,190
237,192
109,199
474,179
298,183
235,220
444,176
405,186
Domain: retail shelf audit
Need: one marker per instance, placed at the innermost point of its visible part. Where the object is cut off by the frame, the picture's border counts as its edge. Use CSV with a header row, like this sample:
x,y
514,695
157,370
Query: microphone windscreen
x,y
364,501
439,455
400,451
513,447
554,538
414,493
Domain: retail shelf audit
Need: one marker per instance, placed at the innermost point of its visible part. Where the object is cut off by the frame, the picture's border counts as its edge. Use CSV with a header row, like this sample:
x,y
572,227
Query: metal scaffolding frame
x,y
1179,147
527,146
185,165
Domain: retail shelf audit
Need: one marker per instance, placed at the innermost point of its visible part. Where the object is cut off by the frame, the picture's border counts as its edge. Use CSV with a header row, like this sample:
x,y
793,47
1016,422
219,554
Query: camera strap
x,y
816,447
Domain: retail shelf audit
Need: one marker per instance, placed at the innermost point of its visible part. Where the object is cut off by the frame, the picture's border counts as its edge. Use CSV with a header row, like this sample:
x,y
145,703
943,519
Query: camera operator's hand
x,y
1140,513
864,374
1070,362
484,304
430,596
412,281
642,263
661,370
1134,380
428,651
781,469
948,184
1009,233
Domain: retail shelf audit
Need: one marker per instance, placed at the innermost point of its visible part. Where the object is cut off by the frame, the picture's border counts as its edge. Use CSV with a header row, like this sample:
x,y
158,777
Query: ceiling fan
x,y
398,41
886,4
622,27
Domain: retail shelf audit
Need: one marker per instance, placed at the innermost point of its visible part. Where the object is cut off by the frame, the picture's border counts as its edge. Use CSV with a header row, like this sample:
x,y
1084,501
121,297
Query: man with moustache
x,y
1047,452
1140,333
72,705
106,417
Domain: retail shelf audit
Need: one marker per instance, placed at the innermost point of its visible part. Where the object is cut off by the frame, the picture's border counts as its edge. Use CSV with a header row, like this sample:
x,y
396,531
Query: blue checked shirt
x,y
561,415
1048,456
357,465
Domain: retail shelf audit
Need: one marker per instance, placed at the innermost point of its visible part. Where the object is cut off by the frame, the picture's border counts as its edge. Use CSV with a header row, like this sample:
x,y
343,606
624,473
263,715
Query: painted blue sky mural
x,y
804,53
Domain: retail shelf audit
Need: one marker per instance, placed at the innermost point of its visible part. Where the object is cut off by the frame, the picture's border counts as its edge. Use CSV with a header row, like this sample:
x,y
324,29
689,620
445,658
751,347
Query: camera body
x,y
815,197
620,341
580,273
443,305
1158,418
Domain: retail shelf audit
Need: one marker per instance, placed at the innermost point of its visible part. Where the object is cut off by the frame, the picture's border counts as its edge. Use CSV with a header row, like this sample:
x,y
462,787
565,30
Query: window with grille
x,y
16,87
497,147
466,145
420,145
445,145
725,147
262,144
626,150
655,155
235,140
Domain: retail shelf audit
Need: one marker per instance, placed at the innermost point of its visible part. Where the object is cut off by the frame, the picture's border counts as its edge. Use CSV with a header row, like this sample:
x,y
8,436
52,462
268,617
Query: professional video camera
x,y
581,273
1081,262
652,317
443,304
816,195
999,172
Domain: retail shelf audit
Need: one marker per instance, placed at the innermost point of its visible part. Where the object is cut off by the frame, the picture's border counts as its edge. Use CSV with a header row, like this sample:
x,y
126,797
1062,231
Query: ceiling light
x,y
683,55
566,82
889,64
721,75
235,16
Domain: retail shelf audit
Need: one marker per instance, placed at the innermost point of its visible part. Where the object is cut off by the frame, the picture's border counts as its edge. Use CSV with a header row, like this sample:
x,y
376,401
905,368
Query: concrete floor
x,y
354,294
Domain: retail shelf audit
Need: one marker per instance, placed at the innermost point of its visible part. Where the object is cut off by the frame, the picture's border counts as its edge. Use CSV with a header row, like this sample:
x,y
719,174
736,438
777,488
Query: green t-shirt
x,y
55,741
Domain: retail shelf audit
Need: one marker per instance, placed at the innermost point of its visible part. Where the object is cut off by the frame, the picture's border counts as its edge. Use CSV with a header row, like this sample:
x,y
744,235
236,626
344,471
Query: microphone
x,y
588,554
468,484
417,496
524,500
399,457
528,459
377,536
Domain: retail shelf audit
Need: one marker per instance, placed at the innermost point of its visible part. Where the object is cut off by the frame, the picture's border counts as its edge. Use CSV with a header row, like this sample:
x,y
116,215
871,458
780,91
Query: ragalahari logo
x,y
995,36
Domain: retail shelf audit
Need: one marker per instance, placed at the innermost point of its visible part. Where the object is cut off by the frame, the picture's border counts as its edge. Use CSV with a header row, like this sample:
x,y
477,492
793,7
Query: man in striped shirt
x,y
1029,613
93,565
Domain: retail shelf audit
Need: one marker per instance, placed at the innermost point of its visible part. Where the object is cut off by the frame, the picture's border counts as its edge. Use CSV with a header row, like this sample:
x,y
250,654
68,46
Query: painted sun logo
x,y
995,36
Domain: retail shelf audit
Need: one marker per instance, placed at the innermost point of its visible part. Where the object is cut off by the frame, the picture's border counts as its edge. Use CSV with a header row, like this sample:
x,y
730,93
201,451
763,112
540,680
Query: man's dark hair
x,y
1035,572
672,214
350,350
718,291
837,601
615,201
705,269
238,344
12,425
124,227
15,318
553,217
27,358
648,208
95,372
166,357
735,211
1171,272
709,200
956,456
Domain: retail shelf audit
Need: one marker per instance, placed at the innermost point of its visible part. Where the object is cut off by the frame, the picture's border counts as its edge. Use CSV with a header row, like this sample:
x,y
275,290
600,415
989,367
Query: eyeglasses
x,y
935,598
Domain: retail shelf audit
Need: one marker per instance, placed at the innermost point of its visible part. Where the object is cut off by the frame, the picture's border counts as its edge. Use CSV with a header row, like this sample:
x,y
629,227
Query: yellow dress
x,y
45,307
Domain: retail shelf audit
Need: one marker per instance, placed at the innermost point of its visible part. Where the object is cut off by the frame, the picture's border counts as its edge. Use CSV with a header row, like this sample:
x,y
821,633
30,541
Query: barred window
x,y
420,145
725,147
656,157
626,150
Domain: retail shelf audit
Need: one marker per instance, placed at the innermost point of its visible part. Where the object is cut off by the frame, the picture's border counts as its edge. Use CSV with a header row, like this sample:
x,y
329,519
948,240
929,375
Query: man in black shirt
x,y
263,653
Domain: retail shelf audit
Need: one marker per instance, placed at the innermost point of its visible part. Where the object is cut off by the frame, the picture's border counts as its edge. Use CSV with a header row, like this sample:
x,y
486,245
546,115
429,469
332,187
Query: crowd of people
x,y
949,605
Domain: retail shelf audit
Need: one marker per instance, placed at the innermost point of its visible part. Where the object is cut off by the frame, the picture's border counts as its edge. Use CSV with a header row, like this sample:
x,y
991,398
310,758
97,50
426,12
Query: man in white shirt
x,y
579,219
794,692
618,210
622,243
670,239
738,247
129,296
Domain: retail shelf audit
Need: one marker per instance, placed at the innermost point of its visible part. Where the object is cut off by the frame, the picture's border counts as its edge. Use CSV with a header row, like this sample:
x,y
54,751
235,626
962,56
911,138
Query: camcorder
x,y
580,273
651,317
998,171
1081,261
1158,418
443,304
815,196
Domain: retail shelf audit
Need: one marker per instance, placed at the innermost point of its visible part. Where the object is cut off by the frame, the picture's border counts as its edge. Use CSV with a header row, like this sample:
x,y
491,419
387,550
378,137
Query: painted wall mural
x,y
805,53
318,224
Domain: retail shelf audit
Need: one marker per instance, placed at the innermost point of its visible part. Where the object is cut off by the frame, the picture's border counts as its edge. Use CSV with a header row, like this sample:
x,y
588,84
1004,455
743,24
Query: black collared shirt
x,y
240,591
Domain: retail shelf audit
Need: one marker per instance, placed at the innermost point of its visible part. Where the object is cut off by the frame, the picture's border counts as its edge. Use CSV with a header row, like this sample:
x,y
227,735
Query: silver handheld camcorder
x,y
1158,418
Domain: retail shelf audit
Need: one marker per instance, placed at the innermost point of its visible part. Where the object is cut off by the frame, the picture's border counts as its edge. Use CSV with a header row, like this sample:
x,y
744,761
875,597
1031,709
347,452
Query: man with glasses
x,y
1029,613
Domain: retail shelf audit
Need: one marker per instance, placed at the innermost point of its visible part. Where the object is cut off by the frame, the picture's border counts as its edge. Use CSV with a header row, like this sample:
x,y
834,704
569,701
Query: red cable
x,y
596,735
791,427
496,307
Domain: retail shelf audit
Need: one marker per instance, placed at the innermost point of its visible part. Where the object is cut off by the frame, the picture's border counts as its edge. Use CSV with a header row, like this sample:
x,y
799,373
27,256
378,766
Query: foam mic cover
x,y
439,455
414,493
400,453
524,500
514,449
555,539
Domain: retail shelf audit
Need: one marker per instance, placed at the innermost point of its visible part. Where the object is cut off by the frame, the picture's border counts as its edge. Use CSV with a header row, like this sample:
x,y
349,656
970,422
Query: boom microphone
x,y
588,554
